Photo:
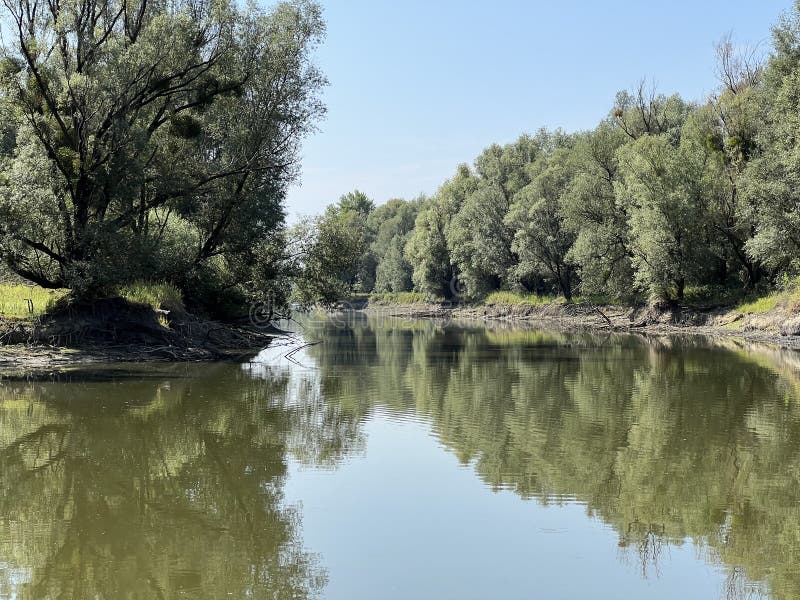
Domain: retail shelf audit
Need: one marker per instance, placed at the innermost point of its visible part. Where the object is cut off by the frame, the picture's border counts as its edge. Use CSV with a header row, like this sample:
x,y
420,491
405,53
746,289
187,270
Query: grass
x,y
788,298
16,300
158,295
162,296
399,298
760,305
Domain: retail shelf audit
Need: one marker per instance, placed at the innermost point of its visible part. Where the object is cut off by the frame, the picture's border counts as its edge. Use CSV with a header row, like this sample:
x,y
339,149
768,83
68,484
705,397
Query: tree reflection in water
x,y
168,482
149,485
666,439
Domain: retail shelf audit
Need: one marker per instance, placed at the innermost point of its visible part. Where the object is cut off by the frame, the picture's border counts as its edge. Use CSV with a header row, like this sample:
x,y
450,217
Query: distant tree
x,y
597,219
356,202
707,140
390,225
427,249
356,207
645,112
480,241
333,251
542,240
662,185
394,271
479,237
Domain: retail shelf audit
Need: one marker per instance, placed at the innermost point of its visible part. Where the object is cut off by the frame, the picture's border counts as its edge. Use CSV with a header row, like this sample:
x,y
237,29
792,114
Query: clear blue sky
x,y
417,87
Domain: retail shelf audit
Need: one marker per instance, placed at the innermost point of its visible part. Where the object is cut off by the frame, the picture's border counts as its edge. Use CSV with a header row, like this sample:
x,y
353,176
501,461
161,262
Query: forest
x,y
127,161
665,200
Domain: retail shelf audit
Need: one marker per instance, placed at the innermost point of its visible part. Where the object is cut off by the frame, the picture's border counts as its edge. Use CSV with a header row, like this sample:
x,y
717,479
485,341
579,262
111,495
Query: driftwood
x,y
289,355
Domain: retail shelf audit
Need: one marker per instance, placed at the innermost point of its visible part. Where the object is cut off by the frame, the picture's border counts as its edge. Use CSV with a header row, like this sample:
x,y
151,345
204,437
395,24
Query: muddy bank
x,y
779,327
114,330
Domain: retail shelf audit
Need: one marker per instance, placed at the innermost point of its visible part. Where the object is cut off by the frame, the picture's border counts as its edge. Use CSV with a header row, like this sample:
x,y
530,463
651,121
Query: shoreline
x,y
117,331
712,322
229,342
37,361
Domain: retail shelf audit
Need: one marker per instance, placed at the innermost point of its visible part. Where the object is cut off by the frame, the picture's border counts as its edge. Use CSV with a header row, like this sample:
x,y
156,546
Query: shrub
x,y
158,295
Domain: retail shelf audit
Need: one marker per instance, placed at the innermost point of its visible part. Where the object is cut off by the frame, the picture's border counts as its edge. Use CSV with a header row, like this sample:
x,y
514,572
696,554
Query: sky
x,y
417,87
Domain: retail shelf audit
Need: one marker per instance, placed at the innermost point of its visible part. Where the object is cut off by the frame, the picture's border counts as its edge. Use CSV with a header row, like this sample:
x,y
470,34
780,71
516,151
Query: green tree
x,y
480,241
391,225
124,139
772,177
541,240
334,259
662,185
596,217
427,248
645,112
479,237
708,142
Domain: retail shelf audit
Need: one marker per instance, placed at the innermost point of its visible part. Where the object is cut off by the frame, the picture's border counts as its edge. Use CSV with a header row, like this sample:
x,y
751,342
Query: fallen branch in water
x,y
294,351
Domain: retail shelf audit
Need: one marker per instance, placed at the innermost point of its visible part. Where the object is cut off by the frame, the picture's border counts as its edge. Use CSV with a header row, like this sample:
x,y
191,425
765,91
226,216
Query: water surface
x,y
410,459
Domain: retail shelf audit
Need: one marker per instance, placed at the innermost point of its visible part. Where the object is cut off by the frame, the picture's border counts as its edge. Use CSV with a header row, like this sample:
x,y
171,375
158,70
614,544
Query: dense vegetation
x,y
662,198
153,142
126,160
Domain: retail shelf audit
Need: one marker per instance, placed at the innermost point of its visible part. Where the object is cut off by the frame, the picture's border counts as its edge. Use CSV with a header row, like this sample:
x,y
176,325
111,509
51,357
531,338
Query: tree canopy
x,y
151,140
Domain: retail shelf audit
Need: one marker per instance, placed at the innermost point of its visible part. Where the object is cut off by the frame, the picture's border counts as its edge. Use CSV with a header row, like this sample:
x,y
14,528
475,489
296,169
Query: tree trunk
x,y
680,285
565,283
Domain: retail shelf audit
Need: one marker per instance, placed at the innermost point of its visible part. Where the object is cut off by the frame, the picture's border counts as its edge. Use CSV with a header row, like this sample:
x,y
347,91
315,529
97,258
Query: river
x,y
410,459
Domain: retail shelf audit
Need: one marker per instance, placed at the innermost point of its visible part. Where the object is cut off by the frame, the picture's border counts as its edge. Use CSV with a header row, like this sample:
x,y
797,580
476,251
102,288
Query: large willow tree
x,y
151,139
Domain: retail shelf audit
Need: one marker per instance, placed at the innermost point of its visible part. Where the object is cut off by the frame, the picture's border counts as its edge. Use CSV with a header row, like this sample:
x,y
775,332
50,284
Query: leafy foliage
x,y
152,141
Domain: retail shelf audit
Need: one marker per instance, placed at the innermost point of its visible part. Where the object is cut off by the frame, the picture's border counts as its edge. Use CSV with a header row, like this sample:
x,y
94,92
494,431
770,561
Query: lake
x,y
410,459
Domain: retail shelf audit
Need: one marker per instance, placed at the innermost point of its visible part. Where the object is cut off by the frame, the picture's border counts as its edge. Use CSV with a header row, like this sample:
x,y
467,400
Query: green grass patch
x,y
788,298
399,298
19,301
760,305
517,299
157,295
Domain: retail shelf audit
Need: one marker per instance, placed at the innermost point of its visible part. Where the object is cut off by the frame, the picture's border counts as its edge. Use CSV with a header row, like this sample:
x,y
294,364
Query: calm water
x,y
410,460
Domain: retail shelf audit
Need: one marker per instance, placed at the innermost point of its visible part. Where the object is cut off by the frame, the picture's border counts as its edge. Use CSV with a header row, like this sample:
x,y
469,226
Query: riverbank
x,y
115,330
118,330
778,324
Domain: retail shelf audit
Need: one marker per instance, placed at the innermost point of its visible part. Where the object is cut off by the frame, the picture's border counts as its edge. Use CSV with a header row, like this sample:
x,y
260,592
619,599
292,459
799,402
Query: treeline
x,y
663,197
